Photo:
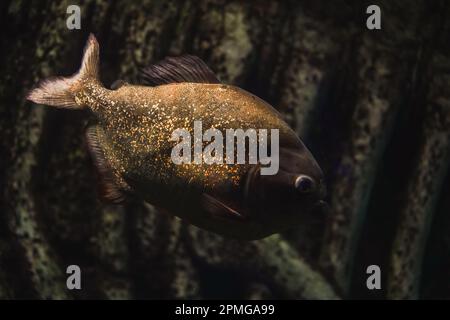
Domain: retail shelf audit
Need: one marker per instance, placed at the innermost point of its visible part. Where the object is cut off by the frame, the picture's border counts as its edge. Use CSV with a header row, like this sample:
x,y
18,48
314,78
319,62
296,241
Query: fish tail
x,y
61,91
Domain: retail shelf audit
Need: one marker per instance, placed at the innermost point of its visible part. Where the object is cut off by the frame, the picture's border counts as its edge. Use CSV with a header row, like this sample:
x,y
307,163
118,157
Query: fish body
x,y
132,145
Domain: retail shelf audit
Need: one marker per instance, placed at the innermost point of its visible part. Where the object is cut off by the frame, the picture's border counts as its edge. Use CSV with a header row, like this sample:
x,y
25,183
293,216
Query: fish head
x,y
294,195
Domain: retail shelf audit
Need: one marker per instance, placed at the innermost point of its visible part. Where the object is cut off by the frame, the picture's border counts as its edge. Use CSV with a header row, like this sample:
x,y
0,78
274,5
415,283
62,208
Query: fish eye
x,y
304,184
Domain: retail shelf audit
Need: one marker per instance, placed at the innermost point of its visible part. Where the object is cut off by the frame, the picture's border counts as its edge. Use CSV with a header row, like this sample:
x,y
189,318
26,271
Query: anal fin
x,y
108,187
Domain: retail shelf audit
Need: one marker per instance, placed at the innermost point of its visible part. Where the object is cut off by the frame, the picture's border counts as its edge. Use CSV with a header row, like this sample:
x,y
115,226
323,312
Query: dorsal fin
x,y
185,68
108,188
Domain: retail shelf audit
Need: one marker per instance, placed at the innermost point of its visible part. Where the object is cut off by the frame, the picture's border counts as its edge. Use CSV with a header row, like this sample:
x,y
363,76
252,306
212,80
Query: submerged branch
x,y
271,260
426,181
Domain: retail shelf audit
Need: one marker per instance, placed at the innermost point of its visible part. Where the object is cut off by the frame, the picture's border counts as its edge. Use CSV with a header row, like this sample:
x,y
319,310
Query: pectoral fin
x,y
117,84
109,189
219,209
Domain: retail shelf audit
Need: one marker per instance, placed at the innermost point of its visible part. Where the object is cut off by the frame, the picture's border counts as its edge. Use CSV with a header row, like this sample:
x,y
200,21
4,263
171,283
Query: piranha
x,y
131,144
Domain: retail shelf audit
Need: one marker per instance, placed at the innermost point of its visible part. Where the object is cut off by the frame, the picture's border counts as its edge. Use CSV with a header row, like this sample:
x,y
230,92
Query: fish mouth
x,y
322,190
321,208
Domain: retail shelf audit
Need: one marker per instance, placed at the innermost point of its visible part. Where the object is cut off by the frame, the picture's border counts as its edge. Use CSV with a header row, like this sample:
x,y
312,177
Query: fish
x,y
131,145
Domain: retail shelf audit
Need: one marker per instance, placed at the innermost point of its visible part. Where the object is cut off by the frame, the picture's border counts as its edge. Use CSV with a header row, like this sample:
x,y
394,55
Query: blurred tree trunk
x,y
373,106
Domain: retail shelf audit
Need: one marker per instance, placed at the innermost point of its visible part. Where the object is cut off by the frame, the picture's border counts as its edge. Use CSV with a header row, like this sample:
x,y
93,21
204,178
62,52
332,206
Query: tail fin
x,y
60,92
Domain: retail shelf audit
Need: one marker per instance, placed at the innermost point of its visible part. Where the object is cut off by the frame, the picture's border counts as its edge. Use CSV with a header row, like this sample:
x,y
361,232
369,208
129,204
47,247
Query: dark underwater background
x,y
373,106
